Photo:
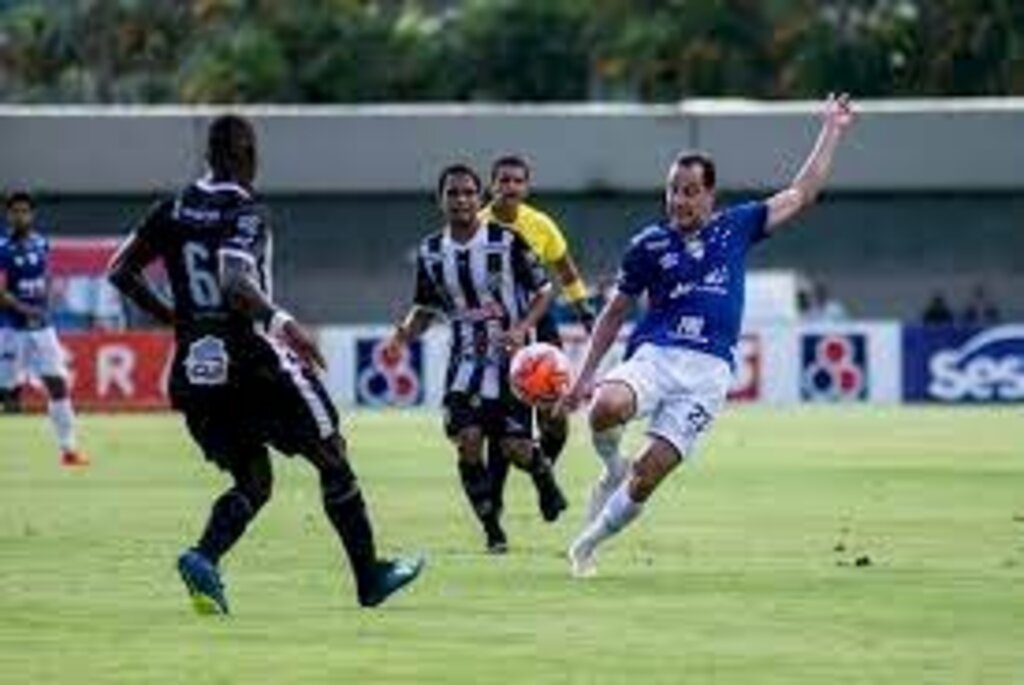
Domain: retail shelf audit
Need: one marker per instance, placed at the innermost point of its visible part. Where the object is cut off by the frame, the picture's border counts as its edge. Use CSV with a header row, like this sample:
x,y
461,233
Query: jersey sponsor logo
x,y
834,367
964,364
491,310
691,328
655,245
668,261
207,362
383,380
680,290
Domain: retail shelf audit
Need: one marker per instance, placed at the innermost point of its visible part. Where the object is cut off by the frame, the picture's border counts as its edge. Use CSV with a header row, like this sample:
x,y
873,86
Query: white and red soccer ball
x,y
540,374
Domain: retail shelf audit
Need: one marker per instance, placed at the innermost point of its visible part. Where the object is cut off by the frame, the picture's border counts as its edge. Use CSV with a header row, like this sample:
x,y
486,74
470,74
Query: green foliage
x,y
321,51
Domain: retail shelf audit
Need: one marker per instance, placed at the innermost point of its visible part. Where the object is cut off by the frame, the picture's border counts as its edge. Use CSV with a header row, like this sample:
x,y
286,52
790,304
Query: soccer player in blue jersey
x,y
678,367
30,341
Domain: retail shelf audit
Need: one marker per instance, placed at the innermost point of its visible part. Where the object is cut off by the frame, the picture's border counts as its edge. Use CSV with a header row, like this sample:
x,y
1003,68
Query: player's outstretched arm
x,y
517,336
126,272
574,290
606,330
243,293
837,116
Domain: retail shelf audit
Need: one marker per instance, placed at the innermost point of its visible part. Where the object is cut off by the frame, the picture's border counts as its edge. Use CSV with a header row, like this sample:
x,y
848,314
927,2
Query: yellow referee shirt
x,y
538,229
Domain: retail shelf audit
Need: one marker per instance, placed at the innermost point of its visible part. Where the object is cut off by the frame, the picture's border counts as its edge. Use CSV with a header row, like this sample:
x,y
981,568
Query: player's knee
x,y
613,406
470,444
56,387
257,488
518,451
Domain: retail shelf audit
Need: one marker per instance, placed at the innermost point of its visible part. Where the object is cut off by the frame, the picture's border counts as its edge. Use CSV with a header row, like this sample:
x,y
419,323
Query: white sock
x,y
63,418
606,444
618,512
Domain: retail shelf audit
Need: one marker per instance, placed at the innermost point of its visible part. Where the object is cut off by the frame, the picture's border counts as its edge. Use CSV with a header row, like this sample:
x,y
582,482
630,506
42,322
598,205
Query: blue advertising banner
x,y
950,364
388,382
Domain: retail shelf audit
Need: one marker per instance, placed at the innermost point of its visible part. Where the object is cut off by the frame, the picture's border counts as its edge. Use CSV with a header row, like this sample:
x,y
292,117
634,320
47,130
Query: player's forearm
x,y
246,297
138,290
415,324
539,306
818,165
606,330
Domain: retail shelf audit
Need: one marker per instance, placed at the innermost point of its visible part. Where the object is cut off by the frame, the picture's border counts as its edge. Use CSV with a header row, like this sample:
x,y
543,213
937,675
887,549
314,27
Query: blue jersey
x,y
24,263
694,284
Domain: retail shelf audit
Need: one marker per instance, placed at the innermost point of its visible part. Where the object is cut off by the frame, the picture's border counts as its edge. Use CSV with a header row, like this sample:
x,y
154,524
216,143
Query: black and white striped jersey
x,y
190,232
483,286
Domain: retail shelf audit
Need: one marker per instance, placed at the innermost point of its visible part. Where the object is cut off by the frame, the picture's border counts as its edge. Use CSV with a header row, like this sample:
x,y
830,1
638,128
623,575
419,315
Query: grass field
x,y
741,571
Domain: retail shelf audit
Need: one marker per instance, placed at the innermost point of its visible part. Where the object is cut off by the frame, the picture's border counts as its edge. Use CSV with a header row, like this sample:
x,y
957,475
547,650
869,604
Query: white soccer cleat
x,y
581,560
603,489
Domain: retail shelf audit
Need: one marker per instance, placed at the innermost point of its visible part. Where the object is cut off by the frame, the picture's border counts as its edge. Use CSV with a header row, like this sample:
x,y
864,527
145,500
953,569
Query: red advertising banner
x,y
746,386
124,371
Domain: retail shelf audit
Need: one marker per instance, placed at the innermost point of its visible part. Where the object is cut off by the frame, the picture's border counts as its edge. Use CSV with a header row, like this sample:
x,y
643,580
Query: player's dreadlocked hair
x,y
231,148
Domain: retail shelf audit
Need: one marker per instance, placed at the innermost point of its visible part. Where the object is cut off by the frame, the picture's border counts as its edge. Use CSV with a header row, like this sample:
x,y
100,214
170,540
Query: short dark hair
x,y
457,169
231,146
16,196
707,165
516,161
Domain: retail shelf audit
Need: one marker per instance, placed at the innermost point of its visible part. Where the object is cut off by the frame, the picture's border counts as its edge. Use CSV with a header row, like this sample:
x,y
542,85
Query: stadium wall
x,y
928,195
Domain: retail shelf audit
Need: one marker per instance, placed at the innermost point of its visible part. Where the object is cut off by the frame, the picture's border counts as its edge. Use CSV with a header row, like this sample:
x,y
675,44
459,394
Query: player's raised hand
x,y
580,391
303,344
838,111
514,338
393,346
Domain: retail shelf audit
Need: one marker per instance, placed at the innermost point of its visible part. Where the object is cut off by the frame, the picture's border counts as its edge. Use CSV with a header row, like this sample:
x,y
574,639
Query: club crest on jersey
x,y
695,248
207,362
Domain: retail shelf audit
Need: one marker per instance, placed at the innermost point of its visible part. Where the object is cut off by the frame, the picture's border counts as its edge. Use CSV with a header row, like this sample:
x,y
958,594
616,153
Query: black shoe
x,y
550,499
551,502
390,577
497,542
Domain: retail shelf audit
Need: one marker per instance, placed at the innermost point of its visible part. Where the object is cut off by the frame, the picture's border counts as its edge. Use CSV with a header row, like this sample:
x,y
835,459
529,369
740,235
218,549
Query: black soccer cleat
x,y
388,578
497,541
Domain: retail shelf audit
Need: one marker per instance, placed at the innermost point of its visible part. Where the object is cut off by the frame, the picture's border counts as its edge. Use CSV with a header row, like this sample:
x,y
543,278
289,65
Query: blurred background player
x,y
678,367
244,369
490,285
510,187
29,344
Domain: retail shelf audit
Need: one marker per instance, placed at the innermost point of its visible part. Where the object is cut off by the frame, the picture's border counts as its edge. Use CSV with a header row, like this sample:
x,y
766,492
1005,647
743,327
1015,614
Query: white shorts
x,y
681,390
38,353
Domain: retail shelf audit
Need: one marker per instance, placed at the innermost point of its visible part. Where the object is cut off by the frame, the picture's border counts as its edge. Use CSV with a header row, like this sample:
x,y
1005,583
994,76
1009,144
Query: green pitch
x,y
744,569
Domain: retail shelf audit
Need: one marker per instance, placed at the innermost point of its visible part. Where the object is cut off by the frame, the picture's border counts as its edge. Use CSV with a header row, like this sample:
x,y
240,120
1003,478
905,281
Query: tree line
x,y
353,51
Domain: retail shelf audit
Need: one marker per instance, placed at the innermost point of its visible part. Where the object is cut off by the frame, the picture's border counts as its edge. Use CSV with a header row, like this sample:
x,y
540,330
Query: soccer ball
x,y
540,374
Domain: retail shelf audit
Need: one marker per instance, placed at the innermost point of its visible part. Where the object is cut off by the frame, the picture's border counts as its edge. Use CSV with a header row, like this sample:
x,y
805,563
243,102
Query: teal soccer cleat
x,y
388,578
203,582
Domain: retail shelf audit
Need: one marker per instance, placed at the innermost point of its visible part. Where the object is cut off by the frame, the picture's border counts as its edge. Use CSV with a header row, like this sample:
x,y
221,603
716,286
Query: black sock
x,y
477,486
497,470
346,510
540,471
229,517
554,433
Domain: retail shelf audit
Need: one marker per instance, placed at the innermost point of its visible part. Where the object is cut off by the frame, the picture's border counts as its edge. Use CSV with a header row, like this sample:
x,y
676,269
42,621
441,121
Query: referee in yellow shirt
x,y
510,186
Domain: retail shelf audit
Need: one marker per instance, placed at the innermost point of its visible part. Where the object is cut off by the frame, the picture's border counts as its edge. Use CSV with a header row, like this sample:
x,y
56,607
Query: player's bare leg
x,y
476,483
613,406
656,460
62,416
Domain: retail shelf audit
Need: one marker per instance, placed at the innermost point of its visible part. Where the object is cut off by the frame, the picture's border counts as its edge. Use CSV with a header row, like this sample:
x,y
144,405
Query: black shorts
x,y
547,330
269,400
498,419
